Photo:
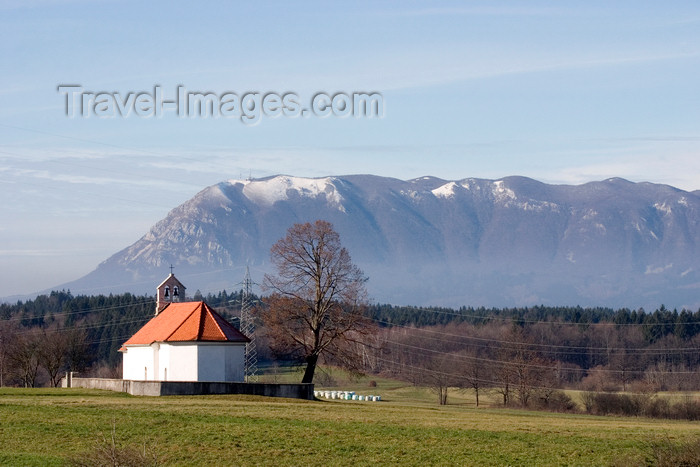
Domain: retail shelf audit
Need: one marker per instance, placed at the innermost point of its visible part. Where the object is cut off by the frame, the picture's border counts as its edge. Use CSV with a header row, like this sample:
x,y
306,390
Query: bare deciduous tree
x,y
504,381
25,356
7,338
439,376
317,297
476,372
52,350
78,355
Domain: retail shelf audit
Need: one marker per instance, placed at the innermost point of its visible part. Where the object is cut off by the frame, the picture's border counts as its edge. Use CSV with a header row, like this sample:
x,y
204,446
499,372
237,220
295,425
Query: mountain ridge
x,y
509,241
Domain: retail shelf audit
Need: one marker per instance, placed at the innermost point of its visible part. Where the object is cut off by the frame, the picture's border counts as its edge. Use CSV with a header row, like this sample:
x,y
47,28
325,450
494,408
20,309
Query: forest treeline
x,y
511,348
657,324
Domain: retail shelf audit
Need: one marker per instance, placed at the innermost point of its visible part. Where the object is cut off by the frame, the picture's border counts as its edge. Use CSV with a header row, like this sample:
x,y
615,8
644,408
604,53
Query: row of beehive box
x,y
346,396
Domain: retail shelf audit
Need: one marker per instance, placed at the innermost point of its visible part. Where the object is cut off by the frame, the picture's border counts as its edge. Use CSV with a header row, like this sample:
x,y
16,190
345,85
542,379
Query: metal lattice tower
x,y
248,328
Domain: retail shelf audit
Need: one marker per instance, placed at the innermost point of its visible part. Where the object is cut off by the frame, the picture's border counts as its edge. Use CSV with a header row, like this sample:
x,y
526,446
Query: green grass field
x,y
53,426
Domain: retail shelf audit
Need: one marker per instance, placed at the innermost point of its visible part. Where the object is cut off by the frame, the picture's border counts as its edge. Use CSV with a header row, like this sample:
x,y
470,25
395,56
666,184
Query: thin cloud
x,y
33,4
35,252
642,168
75,179
408,76
483,11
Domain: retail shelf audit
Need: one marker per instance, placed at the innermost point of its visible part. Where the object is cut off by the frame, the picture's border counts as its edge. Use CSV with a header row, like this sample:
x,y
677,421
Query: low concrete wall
x,y
186,388
293,391
144,388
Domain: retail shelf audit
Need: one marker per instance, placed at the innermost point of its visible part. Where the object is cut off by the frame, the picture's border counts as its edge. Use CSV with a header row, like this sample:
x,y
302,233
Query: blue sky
x,y
564,92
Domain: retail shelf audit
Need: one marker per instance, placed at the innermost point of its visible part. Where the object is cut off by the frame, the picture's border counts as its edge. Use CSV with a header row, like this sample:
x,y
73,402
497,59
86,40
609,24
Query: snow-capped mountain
x,y
513,241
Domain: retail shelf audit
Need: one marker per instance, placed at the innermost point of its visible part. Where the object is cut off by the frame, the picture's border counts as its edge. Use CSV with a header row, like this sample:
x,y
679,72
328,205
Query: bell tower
x,y
169,291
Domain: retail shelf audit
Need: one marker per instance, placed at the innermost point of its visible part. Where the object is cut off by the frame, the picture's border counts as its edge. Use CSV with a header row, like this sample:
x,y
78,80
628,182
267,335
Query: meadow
x,y
62,426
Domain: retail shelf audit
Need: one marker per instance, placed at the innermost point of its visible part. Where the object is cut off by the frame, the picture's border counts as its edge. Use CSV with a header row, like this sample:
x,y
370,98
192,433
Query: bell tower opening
x,y
169,291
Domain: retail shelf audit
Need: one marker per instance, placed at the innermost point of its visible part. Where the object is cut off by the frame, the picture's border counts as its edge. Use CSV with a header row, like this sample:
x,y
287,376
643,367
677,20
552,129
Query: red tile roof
x,y
185,322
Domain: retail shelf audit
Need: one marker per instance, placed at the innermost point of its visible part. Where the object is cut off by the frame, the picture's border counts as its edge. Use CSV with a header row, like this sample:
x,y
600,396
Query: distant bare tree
x,y
546,378
78,355
52,351
7,343
475,372
440,376
317,298
399,356
624,362
524,367
25,356
504,377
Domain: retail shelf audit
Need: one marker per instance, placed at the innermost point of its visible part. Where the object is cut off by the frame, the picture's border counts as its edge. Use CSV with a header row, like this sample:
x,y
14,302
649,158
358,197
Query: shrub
x,y
325,379
658,407
588,400
606,403
598,380
689,409
668,454
648,405
108,452
557,401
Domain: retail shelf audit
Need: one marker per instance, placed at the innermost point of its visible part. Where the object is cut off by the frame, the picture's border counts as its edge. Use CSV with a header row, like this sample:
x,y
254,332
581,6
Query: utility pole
x,y
248,328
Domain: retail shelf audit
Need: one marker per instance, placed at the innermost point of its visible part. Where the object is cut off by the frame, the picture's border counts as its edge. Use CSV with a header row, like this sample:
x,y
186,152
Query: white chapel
x,y
185,341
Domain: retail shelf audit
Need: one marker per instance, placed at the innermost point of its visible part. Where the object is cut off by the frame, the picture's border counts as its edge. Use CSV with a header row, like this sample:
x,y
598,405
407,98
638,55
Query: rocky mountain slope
x,y
513,241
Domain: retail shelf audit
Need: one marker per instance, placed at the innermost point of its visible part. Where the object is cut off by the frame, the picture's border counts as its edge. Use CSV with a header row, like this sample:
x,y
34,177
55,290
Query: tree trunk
x,y
310,369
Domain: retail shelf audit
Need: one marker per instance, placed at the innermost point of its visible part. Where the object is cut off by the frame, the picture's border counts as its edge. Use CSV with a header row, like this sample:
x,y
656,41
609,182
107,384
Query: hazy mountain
x,y
513,241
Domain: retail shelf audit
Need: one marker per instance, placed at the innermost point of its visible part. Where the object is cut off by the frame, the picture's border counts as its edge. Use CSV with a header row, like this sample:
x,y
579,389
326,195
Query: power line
x,y
529,365
563,347
84,326
456,376
76,312
514,318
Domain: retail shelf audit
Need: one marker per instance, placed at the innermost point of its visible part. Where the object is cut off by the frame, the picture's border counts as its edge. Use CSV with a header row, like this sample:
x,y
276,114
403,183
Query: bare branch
x,y
315,297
